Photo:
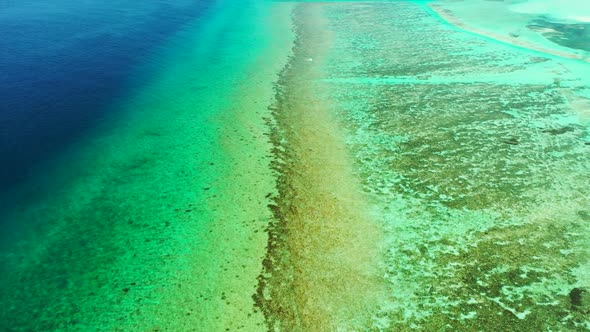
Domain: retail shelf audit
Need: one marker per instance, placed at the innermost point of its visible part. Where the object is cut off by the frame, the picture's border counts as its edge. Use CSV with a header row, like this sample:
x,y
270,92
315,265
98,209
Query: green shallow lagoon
x,y
318,167
155,220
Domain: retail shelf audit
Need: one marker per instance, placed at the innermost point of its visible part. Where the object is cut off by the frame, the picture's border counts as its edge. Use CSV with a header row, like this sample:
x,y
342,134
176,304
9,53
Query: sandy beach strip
x,y
452,19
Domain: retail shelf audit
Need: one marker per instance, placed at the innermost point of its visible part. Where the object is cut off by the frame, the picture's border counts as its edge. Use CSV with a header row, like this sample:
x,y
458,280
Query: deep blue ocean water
x,y
64,63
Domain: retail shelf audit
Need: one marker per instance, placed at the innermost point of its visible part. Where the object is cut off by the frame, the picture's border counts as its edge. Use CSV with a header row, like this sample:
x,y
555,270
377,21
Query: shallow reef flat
x,y
321,269
475,155
472,162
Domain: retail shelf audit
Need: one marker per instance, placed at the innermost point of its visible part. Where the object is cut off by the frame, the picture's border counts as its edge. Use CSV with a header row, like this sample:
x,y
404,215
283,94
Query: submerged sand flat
x,y
527,24
560,10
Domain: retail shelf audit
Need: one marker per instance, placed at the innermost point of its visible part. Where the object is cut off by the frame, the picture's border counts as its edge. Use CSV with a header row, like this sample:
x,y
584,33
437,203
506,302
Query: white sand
x,y
569,10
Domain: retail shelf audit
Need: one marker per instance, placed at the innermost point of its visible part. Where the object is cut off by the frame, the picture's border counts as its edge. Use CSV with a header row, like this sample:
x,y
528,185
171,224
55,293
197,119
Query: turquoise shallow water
x,y
104,235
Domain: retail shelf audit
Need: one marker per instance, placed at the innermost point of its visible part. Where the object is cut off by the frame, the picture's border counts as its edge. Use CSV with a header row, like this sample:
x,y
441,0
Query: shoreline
x,y
453,20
